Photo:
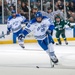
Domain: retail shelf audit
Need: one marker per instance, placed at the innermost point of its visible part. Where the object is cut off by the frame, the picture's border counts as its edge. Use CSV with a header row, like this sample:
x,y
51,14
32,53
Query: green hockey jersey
x,y
61,25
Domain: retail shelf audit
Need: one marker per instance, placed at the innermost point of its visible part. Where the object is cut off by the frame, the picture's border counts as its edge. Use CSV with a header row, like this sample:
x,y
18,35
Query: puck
x,y
52,66
37,66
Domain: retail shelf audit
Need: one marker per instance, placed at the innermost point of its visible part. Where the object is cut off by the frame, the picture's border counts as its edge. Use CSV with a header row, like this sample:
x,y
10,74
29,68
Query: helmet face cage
x,y
38,17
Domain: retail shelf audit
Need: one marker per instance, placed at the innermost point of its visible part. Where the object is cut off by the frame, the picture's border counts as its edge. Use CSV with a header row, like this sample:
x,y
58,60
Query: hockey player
x,y
14,25
60,25
40,26
50,14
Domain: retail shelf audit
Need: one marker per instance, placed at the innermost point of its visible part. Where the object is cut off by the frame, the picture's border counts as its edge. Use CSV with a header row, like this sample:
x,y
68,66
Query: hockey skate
x,y
22,46
59,43
53,58
66,42
21,40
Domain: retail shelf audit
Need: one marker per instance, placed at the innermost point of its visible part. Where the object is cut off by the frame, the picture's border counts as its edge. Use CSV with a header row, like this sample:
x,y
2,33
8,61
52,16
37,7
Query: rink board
x,y
31,41
30,38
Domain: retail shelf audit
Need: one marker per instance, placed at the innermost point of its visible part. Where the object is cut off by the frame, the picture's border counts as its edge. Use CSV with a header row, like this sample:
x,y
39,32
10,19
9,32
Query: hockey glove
x,y
51,27
8,32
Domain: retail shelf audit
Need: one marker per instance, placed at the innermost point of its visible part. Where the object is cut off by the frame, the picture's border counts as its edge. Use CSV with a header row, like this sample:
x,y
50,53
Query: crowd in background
x,y
35,5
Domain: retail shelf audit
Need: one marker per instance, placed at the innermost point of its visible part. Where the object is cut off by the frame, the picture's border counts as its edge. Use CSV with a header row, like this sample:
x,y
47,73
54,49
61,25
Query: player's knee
x,y
63,35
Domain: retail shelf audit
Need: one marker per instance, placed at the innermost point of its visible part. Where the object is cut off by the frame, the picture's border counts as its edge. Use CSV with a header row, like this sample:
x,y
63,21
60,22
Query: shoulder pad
x,y
32,21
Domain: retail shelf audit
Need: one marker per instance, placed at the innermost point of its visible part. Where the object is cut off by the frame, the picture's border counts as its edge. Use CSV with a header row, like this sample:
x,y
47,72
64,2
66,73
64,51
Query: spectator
x,y
6,11
72,7
46,5
11,8
25,10
67,6
33,11
19,4
39,5
73,1
49,10
0,8
72,18
0,12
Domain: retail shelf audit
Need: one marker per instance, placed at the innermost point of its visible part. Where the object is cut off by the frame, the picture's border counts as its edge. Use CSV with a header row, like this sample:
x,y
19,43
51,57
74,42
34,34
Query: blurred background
x,y
28,7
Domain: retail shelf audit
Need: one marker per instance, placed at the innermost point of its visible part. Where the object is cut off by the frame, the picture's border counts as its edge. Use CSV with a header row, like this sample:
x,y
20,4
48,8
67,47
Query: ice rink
x,y
17,61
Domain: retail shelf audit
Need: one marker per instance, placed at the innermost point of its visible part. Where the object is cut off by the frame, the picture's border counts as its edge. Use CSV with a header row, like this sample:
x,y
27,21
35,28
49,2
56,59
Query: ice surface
x,y
17,61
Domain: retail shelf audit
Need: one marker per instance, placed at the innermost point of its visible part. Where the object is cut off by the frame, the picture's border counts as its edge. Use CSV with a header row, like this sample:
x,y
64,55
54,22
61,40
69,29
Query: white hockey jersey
x,y
14,24
39,29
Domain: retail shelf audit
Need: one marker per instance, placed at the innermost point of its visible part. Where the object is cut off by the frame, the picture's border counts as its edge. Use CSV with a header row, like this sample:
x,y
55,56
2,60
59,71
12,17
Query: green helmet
x,y
57,17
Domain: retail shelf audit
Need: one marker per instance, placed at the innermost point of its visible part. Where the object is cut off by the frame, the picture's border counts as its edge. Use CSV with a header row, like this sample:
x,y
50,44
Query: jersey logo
x,y
41,28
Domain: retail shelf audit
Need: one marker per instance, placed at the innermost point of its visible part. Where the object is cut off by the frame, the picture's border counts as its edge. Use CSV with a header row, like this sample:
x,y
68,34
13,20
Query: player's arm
x,y
27,30
9,26
24,20
67,23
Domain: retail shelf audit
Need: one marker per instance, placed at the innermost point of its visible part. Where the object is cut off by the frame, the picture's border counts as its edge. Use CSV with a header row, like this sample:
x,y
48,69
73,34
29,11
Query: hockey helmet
x,y
38,14
57,16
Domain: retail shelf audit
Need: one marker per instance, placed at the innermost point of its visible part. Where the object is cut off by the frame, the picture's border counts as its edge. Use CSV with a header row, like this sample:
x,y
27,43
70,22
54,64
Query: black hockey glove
x,y
8,32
